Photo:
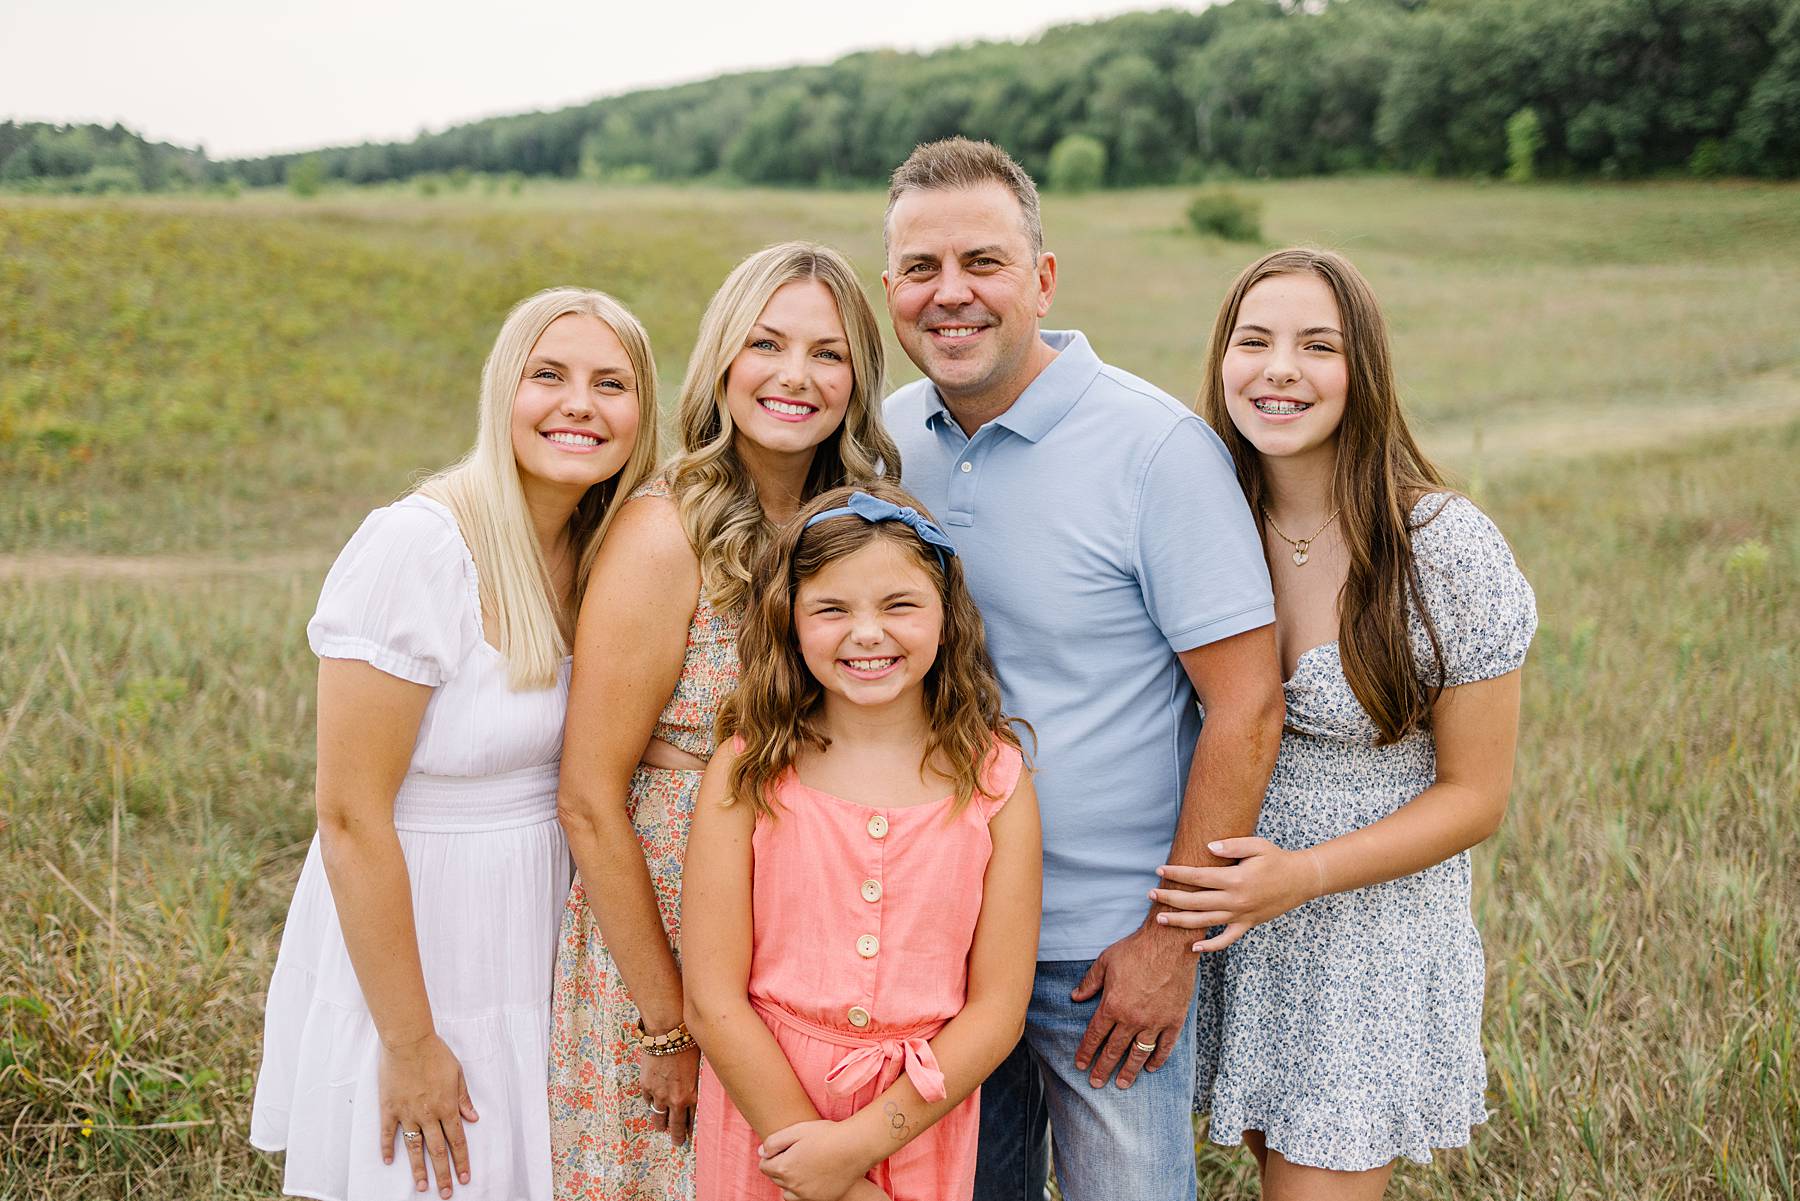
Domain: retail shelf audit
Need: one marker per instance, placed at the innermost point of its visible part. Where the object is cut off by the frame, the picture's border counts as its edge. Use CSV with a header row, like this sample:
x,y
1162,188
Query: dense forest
x,y
1614,88
95,158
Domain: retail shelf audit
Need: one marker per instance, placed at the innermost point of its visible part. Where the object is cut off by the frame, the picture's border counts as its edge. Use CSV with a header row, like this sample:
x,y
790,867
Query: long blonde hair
x,y
1380,474
714,493
531,625
778,706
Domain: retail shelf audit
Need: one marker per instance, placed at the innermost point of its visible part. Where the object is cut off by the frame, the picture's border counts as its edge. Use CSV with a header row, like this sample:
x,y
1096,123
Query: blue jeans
x,y
1110,1142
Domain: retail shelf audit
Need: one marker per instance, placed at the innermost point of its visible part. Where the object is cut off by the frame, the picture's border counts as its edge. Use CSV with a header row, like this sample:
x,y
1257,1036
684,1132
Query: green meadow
x,y
199,398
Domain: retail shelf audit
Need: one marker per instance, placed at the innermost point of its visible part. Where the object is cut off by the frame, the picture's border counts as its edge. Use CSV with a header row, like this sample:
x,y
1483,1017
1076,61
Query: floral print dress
x,y
1348,1030
603,1147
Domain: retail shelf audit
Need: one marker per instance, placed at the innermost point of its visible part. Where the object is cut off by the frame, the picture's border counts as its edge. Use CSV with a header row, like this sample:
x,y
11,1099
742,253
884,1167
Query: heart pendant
x,y
1299,558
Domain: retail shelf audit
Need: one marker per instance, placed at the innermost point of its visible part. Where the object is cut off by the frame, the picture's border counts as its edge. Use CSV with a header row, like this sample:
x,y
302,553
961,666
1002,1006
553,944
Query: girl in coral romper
x,y
863,874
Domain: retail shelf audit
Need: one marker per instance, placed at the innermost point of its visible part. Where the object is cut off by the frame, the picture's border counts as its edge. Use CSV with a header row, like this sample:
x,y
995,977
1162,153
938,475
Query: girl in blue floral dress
x,y
1340,1015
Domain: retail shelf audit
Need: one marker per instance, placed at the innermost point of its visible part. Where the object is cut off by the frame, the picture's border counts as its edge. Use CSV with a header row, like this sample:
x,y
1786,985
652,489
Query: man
x,y
1119,574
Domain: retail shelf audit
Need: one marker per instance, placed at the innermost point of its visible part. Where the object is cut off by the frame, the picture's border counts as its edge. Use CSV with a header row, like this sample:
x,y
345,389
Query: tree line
x,y
1612,88
95,159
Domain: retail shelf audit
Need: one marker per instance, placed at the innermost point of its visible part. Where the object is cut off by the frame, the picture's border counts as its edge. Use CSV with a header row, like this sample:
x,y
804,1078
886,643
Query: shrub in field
x,y
1524,140
1077,164
1222,213
106,180
305,176
1708,160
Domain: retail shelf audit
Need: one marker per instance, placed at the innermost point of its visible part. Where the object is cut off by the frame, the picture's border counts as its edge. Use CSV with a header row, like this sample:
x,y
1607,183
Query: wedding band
x,y
411,1136
654,1109
1146,1048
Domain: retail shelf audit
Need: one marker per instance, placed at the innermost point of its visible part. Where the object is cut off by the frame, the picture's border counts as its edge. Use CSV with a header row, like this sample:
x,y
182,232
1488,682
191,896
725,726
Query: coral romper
x,y
863,922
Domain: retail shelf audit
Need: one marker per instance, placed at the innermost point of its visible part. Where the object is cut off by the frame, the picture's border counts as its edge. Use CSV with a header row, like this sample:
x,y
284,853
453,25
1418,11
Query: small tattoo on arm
x,y
898,1126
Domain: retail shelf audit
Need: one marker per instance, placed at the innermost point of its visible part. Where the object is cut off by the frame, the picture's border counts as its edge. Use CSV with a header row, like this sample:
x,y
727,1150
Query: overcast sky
x,y
245,77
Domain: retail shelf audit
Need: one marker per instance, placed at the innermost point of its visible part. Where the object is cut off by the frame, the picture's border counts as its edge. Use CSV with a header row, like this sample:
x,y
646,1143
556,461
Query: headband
x,y
873,509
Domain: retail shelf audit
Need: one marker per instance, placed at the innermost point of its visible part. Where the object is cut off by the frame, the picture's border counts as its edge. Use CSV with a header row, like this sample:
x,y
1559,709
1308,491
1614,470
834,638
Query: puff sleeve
x,y
402,596
1481,604
999,778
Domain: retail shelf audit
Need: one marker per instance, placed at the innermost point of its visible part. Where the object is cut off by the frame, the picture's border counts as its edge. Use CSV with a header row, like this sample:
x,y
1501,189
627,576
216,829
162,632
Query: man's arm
x,y
1146,979
1239,684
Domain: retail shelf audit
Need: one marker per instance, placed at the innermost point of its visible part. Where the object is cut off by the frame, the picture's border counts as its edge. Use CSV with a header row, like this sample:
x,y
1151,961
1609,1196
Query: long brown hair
x,y
778,707
1380,474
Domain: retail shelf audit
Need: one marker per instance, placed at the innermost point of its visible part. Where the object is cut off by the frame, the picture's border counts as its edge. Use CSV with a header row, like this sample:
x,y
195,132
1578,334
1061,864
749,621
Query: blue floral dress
x,y
1348,1030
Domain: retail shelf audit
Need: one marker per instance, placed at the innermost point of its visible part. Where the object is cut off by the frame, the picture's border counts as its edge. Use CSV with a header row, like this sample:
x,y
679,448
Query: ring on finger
x,y
654,1109
412,1136
1146,1048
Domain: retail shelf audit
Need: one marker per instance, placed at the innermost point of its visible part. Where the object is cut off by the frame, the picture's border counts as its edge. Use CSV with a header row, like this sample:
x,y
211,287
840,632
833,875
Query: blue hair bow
x,y
873,509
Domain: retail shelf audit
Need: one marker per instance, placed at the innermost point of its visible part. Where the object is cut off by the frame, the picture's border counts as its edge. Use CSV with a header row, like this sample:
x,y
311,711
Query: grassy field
x,y
219,376
219,390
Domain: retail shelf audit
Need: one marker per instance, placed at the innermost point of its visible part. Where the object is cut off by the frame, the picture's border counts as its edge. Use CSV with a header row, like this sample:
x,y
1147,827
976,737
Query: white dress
x,y
489,870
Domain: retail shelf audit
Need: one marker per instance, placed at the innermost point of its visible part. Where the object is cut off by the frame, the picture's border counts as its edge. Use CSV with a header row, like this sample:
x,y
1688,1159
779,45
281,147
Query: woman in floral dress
x,y
1340,1014
781,402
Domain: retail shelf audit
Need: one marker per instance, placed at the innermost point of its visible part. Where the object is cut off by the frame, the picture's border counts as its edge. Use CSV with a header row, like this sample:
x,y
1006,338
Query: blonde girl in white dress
x,y
408,1015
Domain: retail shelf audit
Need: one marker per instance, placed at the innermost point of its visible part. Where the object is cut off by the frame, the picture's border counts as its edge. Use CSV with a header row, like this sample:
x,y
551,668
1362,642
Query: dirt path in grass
x,y
157,568
1769,400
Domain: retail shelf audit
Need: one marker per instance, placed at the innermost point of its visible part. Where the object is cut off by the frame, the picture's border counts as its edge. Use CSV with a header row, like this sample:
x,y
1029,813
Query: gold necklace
x,y
1300,544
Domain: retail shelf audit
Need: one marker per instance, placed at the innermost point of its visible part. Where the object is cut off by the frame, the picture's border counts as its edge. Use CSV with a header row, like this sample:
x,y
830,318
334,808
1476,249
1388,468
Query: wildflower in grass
x,y
1748,561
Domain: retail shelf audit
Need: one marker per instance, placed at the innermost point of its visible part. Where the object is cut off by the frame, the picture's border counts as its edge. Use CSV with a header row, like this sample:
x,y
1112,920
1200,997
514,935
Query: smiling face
x,y
869,625
965,291
575,414
788,387
1284,372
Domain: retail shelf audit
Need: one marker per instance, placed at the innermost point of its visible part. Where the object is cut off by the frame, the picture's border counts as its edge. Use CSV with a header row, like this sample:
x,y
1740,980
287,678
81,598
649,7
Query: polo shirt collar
x,y
1048,397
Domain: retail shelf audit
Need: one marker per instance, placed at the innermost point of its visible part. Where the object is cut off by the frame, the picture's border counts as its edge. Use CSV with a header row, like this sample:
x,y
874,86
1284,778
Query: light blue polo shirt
x,y
1102,530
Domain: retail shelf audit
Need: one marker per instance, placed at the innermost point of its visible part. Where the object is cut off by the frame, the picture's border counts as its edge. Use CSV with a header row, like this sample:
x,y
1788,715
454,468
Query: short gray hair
x,y
960,163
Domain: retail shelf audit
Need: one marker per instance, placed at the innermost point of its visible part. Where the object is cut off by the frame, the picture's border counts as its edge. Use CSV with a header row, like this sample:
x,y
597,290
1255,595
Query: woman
x,y
781,402
409,1003
1351,992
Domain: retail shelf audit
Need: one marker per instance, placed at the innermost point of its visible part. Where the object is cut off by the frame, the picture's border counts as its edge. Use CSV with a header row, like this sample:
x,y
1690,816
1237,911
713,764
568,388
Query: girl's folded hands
x,y
819,1161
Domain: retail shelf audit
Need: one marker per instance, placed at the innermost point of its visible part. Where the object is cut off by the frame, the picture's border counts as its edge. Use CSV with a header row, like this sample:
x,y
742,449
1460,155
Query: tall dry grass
x,y
155,763
1641,905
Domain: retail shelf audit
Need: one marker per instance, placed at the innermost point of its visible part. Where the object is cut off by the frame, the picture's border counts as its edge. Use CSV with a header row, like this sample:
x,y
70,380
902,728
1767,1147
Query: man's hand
x,y
1145,982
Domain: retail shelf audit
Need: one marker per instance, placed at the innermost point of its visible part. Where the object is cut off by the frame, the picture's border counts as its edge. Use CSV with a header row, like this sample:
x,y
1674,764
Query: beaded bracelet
x,y
670,1042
